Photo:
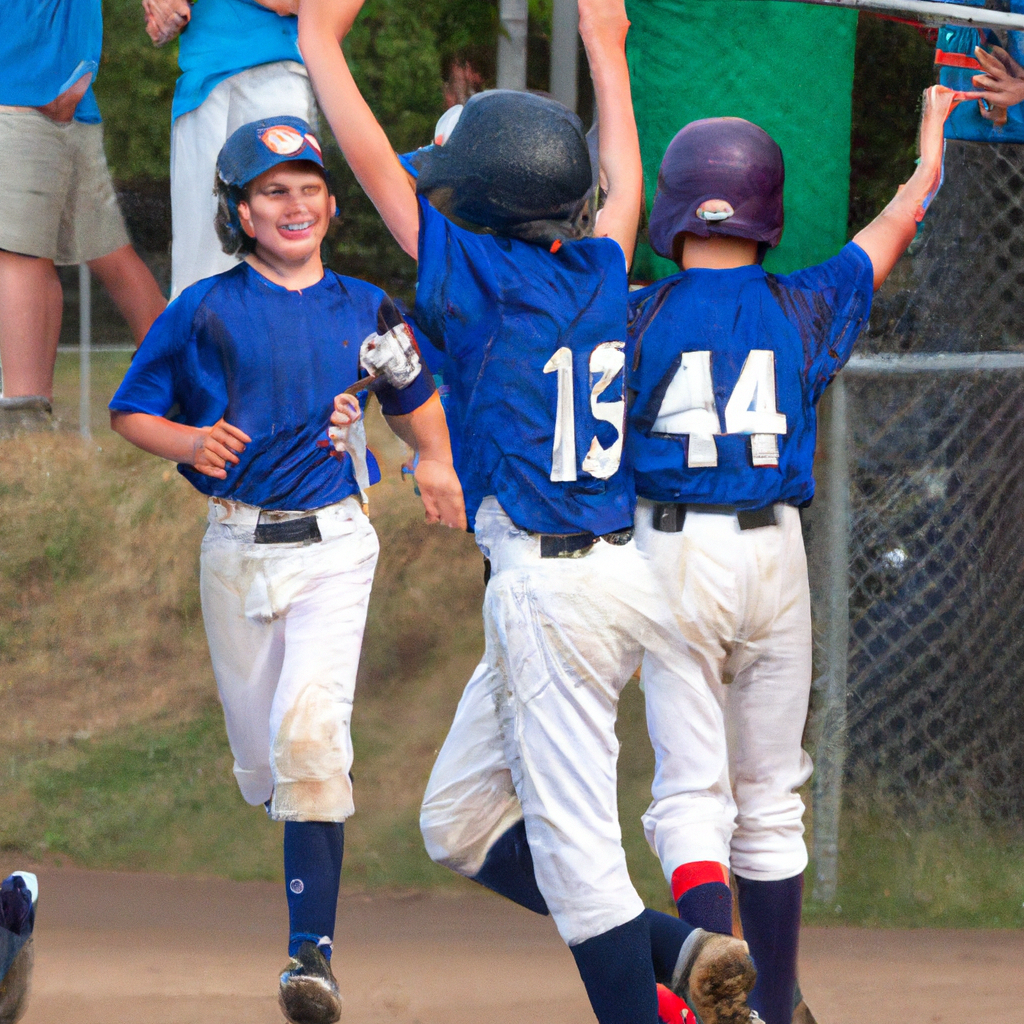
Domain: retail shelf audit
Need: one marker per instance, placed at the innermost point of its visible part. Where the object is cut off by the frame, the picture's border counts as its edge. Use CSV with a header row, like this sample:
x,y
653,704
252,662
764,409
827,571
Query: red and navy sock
x,y
702,894
770,912
618,974
508,870
312,876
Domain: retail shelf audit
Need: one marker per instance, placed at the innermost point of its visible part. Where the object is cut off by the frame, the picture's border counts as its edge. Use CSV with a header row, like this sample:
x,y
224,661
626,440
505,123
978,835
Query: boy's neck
x,y
288,274
718,252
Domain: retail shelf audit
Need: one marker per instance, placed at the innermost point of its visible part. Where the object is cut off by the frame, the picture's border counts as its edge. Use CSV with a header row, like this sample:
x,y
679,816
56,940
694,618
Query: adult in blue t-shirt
x,y
239,62
57,202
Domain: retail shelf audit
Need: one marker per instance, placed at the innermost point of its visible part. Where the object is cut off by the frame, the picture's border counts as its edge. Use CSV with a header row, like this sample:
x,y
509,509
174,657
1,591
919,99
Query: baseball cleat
x,y
714,975
309,994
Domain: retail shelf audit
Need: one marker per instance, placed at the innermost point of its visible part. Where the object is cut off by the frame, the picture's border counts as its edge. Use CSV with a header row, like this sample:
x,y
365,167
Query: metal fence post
x,y
565,22
831,749
84,349
512,44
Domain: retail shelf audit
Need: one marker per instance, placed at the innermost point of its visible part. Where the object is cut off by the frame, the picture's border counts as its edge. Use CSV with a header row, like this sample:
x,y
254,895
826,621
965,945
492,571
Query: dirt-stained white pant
x,y
726,710
564,635
285,625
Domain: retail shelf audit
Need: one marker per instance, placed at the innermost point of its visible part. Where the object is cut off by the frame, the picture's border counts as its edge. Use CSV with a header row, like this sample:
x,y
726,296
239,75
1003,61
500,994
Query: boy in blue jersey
x,y
729,365
252,361
528,297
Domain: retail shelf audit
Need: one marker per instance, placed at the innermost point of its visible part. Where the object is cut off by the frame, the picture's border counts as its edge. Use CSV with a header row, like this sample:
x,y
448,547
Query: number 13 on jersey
x,y
608,360
689,408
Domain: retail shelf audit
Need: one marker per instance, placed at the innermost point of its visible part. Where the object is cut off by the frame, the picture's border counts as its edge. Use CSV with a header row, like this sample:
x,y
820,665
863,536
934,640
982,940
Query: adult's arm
x,y
323,24
603,27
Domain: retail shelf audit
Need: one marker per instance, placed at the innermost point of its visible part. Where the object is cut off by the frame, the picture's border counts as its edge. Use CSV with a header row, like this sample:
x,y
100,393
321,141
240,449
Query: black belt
x,y
575,545
288,531
668,517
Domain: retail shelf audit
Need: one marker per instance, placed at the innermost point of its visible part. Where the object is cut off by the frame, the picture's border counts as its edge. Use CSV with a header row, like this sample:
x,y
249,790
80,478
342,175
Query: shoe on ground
x,y
309,994
714,975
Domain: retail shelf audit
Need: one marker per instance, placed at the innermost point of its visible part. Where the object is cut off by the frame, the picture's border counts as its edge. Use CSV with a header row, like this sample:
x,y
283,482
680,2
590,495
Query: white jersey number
x,y
689,408
608,360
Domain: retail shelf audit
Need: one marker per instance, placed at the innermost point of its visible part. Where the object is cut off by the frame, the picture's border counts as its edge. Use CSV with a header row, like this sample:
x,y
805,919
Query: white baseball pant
x,y
726,711
285,625
267,90
564,635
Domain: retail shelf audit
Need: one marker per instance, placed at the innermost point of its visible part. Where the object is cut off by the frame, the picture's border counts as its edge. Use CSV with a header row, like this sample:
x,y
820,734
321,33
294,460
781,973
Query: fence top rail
x,y
934,362
932,12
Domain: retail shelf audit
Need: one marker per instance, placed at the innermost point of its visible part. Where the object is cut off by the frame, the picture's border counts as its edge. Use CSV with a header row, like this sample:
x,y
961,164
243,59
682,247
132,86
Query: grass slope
x,y
114,752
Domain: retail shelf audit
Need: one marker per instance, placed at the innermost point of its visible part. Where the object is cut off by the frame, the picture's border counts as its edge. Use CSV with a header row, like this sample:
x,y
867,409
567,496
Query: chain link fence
x,y
917,539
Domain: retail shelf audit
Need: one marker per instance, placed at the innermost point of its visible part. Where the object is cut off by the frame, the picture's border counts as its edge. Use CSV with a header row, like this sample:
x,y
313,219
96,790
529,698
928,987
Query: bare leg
x,y
31,304
132,287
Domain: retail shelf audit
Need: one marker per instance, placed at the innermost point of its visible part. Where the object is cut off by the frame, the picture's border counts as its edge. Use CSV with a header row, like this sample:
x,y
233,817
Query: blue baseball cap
x,y
260,145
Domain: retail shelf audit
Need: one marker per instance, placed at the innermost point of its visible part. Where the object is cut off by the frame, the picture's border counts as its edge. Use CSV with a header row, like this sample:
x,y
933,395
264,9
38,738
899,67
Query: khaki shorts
x,y
56,197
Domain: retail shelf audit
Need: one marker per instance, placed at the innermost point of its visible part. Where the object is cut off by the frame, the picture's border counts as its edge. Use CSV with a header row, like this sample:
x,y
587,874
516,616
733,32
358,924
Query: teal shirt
x,y
225,37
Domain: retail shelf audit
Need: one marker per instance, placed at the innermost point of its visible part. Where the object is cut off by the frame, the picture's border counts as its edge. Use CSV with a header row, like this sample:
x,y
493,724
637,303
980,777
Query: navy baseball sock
x,y
312,877
508,870
770,912
618,975
667,937
703,897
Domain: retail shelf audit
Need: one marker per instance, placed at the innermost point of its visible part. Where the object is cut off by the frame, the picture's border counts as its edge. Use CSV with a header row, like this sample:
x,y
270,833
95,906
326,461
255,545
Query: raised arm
x,y
323,24
426,431
603,26
886,238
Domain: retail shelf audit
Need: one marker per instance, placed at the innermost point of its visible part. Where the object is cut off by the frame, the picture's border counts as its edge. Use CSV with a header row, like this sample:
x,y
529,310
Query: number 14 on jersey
x,y
689,408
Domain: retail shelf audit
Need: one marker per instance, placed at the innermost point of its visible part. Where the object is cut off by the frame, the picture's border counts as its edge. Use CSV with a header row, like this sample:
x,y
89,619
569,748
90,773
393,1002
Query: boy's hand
x,y
346,411
217,446
165,19
441,493
1002,84
604,20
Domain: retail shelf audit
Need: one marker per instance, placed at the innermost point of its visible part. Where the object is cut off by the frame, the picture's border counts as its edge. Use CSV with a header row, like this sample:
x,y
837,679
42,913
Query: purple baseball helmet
x,y
725,159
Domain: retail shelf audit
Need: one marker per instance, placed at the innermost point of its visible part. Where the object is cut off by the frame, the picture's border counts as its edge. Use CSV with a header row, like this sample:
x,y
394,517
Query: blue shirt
x,y
954,53
729,367
270,362
45,47
534,340
225,37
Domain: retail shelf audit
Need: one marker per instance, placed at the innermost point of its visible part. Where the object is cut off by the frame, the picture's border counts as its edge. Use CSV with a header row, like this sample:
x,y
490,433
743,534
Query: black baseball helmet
x,y
725,159
515,164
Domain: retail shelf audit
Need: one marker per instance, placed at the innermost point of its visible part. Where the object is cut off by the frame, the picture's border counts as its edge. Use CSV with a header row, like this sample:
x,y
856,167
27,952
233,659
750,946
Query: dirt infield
x,y
149,949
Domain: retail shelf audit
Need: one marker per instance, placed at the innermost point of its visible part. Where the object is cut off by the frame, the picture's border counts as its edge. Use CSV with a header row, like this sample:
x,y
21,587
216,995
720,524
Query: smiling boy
x,y
251,361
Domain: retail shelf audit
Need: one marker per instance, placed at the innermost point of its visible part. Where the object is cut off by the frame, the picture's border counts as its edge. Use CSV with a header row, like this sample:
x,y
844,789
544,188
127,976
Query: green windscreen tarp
x,y
787,67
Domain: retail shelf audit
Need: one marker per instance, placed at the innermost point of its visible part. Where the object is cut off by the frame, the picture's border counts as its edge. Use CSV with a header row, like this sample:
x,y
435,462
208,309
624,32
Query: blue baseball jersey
x,y
729,367
269,361
535,344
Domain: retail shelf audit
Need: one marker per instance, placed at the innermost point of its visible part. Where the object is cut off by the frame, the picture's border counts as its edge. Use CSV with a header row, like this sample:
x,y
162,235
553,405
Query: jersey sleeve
x,y
165,372
399,402
830,304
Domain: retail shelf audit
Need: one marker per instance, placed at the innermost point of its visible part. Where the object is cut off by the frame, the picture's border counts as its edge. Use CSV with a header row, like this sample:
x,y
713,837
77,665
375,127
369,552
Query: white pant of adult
x,y
537,722
267,90
726,711
285,625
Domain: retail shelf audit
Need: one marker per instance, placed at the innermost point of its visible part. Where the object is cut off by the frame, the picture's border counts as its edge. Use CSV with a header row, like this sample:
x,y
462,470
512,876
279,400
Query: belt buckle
x,y
289,531
573,545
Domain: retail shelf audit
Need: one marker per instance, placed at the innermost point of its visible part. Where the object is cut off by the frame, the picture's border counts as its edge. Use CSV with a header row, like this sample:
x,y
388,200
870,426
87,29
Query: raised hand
x,y
1002,84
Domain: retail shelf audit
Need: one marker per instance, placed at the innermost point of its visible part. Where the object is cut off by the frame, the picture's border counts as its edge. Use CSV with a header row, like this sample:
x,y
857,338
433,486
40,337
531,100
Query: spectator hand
x,y
165,19
441,493
1002,85
217,446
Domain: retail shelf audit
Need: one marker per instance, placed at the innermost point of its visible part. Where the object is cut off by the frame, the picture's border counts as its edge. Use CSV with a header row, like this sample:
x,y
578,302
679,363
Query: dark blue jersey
x,y
729,367
269,361
536,347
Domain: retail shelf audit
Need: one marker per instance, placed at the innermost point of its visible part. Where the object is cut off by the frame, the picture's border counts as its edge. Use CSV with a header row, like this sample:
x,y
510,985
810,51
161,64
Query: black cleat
x,y
309,994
